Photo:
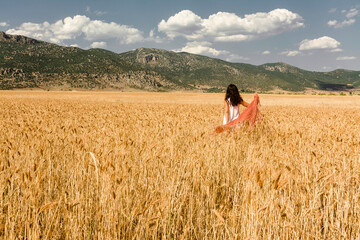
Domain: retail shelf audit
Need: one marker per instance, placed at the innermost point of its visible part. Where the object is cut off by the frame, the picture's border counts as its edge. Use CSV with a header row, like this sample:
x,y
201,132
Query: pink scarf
x,y
251,114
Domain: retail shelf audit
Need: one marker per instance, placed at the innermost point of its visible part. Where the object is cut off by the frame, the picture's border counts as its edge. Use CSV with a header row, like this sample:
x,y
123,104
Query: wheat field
x,y
91,165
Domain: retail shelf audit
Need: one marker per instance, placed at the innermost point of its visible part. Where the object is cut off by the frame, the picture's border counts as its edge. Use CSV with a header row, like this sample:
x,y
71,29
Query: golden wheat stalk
x,y
96,168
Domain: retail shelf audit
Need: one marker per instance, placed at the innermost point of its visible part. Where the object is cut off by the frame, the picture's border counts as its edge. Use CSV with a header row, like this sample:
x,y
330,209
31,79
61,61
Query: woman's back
x,y
233,112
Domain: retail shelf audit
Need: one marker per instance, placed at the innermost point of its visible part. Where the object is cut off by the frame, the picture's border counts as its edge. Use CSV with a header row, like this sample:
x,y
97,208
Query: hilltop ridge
x,y
31,63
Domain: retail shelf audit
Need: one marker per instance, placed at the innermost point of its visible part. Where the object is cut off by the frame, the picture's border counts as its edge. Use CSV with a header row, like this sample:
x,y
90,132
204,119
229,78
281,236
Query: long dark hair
x,y
232,92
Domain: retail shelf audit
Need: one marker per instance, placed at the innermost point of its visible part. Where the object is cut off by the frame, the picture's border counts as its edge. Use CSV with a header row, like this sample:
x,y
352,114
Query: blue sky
x,y
317,35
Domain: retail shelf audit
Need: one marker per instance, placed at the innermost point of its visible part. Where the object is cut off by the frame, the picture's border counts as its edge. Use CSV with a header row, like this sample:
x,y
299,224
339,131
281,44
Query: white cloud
x,y
323,43
235,58
265,52
202,48
234,38
40,31
345,58
290,53
4,24
253,25
332,23
54,40
74,27
228,27
319,43
69,28
152,33
74,45
184,23
345,23
332,10
153,38
352,13
98,45
98,13
99,30
336,50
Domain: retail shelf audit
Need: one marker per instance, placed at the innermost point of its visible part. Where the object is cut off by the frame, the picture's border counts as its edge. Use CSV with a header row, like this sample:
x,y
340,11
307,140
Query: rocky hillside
x,y
209,73
29,63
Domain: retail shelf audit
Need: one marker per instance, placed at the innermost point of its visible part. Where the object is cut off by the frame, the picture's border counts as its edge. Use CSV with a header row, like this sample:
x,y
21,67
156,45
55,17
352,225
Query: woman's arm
x,y
226,111
245,104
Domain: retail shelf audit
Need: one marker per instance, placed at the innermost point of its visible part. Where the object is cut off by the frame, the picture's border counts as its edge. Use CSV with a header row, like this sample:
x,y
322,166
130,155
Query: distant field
x,y
110,165
185,98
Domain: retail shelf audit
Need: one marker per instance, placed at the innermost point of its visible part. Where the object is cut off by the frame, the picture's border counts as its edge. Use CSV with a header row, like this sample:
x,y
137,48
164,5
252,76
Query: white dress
x,y
233,112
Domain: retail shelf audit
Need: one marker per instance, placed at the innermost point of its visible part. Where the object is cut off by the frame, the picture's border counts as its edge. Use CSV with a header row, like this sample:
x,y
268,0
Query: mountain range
x,y
31,63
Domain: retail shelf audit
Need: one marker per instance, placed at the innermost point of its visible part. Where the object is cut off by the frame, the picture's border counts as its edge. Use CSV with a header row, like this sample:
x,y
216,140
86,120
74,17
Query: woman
x,y
232,118
232,103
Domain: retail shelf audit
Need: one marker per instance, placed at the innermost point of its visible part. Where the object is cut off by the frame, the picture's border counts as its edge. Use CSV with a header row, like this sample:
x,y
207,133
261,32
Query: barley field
x,y
109,165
